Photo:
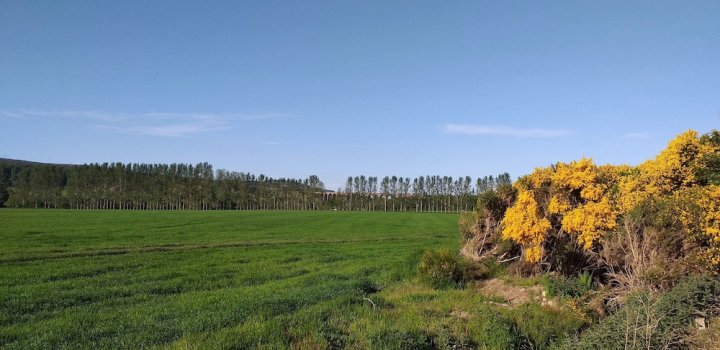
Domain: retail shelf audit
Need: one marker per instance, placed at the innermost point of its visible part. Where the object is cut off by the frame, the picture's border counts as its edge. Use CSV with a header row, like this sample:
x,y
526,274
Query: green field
x,y
196,279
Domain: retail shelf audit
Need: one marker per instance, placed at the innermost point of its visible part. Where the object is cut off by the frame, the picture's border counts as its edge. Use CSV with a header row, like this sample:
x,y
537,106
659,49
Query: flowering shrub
x,y
586,201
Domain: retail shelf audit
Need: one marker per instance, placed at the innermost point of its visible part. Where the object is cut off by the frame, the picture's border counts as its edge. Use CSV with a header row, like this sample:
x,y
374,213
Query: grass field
x,y
124,279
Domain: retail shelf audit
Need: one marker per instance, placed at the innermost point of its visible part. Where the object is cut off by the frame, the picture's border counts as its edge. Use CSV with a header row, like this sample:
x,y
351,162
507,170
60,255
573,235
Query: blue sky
x,y
342,88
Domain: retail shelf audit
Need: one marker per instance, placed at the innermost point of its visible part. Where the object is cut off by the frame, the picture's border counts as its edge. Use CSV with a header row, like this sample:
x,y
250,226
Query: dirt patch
x,y
513,295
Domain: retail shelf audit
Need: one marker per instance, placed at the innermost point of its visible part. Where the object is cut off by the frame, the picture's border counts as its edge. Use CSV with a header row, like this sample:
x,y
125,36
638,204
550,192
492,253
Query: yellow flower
x,y
589,221
558,205
575,175
524,224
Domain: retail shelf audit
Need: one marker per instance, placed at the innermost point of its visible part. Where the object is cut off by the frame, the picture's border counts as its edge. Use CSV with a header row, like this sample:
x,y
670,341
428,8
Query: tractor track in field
x,y
179,247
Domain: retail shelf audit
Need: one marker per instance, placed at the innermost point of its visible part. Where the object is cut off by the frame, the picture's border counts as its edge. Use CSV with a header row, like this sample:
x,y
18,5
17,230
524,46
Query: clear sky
x,y
339,88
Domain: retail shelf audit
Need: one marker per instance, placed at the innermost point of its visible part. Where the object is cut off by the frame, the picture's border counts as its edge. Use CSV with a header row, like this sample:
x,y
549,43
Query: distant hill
x,y
19,162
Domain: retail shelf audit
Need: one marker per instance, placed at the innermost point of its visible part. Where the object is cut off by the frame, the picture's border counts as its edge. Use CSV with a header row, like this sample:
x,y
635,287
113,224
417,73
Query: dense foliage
x,y
445,269
650,321
425,193
634,250
153,186
187,186
569,211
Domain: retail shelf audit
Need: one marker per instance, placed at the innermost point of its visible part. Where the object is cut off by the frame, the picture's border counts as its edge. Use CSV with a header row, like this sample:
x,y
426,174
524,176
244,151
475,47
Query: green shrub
x,y
561,286
709,172
466,225
491,268
653,321
540,327
585,281
445,269
365,286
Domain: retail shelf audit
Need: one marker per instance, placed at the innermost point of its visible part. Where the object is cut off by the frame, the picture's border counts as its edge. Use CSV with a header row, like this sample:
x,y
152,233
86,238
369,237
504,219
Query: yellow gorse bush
x,y
524,224
577,198
589,221
709,202
575,175
673,169
585,200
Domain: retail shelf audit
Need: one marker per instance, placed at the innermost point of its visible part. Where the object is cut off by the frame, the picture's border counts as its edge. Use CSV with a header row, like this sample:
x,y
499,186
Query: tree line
x,y
180,186
424,193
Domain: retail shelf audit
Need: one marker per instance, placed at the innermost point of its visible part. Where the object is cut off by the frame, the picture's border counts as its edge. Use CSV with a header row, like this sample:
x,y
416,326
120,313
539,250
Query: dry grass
x,y
635,260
